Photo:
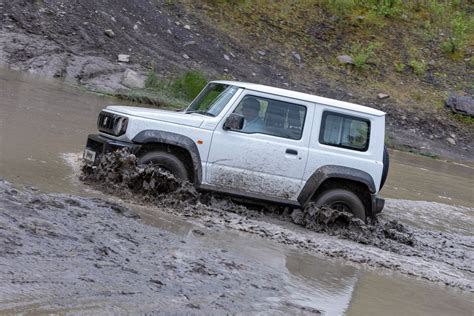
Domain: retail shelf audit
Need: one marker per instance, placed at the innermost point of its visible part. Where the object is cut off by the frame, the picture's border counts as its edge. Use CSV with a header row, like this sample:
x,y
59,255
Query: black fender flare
x,y
332,171
163,137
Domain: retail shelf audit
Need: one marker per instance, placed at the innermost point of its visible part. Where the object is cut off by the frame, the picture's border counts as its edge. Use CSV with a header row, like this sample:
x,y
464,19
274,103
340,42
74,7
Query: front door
x,y
268,156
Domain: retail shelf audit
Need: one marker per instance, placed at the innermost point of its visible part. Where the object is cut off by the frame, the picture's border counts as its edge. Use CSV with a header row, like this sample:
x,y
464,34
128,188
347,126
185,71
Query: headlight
x,y
111,123
120,126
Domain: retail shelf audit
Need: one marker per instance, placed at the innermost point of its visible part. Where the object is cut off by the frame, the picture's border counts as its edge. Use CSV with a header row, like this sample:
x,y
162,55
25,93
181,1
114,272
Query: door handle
x,y
292,152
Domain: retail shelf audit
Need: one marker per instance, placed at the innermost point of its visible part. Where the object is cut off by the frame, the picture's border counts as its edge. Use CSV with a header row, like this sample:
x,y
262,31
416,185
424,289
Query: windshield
x,y
212,99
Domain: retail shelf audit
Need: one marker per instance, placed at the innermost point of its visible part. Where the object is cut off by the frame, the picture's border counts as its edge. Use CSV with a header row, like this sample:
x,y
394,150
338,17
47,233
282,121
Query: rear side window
x,y
272,117
345,131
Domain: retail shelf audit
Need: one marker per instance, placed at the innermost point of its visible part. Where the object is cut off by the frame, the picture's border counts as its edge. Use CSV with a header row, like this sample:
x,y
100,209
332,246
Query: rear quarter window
x,y
345,131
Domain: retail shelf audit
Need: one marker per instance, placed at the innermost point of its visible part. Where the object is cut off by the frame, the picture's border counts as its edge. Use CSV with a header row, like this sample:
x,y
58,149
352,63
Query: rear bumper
x,y
102,145
377,204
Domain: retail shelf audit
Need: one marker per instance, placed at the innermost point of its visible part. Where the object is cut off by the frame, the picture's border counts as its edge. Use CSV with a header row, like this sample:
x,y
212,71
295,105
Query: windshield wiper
x,y
200,112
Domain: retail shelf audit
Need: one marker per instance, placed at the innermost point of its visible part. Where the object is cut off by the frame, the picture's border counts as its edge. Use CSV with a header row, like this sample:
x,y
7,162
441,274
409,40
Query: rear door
x,y
269,159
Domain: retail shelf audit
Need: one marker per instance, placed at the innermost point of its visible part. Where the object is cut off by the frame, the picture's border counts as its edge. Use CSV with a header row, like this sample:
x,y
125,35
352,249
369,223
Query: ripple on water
x,y
431,215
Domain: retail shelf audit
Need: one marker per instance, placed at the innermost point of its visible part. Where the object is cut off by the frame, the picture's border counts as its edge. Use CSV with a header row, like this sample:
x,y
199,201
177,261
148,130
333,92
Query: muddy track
x,y
67,253
435,256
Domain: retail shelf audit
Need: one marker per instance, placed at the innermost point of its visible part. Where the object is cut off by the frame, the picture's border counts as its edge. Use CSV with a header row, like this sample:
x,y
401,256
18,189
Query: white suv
x,y
259,142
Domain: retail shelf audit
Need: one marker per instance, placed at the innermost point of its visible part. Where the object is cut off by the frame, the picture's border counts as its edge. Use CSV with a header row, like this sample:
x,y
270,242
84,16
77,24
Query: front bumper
x,y
101,145
377,204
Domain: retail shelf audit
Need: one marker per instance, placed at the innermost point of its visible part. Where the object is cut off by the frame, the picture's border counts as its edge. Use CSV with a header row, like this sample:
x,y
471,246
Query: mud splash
x,y
435,256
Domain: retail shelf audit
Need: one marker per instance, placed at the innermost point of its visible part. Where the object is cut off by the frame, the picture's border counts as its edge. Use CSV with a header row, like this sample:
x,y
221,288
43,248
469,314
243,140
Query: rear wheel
x,y
342,200
167,161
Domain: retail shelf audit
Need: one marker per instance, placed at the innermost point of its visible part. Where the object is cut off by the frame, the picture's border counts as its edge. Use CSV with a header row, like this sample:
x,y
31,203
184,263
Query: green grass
x,y
173,93
361,55
184,87
399,67
466,119
418,66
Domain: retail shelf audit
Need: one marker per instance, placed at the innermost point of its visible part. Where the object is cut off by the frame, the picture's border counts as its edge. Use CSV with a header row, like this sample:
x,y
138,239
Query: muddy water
x,y
43,126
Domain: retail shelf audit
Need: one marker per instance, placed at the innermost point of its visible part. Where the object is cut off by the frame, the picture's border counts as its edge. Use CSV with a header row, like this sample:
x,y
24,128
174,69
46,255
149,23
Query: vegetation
x,y
184,87
415,51
361,55
468,120
418,66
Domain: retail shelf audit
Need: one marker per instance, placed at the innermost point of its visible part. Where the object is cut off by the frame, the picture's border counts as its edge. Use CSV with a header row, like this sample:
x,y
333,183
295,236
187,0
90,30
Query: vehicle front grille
x,y
106,122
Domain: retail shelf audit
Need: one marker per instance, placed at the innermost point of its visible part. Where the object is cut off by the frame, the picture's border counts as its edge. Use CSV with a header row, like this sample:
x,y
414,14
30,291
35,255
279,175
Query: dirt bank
x,y
67,253
67,40
435,256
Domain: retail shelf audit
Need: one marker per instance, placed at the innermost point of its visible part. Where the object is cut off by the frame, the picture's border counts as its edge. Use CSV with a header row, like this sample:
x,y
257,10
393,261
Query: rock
x,y
185,56
133,80
123,58
226,57
189,43
109,33
187,27
345,59
261,52
460,104
135,27
382,96
296,56
451,141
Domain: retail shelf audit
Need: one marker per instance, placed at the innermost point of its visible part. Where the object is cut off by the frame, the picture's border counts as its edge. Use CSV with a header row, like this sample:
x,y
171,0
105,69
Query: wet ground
x,y
43,126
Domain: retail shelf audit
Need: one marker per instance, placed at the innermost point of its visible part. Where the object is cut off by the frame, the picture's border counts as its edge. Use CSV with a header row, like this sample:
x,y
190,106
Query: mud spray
x,y
435,256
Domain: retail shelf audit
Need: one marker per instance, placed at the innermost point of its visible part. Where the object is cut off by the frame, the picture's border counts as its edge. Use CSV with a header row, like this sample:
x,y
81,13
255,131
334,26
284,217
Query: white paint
x,y
258,163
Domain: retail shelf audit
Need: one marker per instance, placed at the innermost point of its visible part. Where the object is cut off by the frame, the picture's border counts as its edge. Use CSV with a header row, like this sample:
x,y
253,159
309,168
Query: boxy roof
x,y
303,96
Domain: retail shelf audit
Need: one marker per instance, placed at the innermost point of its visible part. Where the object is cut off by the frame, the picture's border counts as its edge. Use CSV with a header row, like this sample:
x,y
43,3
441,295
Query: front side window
x,y
212,99
272,117
345,131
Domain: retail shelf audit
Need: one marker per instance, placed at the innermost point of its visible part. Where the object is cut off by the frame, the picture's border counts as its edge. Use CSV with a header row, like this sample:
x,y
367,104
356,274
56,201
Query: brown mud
x,y
435,256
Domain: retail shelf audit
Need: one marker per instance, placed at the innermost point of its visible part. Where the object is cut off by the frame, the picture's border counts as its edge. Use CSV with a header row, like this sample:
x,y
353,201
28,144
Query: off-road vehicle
x,y
261,143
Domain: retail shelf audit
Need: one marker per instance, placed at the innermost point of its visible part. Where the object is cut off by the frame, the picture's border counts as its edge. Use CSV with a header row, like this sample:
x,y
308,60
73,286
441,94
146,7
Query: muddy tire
x,y
167,161
342,200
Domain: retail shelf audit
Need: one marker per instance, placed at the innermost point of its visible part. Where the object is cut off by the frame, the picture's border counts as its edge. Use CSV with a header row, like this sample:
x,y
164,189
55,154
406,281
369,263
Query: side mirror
x,y
234,122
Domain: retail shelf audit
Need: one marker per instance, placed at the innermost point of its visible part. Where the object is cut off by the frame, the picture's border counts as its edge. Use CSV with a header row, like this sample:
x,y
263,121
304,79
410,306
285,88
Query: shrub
x,y
152,81
387,7
399,67
185,86
361,55
188,85
340,7
419,67
456,35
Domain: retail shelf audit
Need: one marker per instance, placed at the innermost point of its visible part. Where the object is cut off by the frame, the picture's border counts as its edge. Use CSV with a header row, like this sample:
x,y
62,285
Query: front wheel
x,y
166,161
342,200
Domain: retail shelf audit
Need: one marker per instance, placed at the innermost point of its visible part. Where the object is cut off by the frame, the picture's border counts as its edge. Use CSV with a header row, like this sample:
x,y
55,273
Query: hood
x,y
159,115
